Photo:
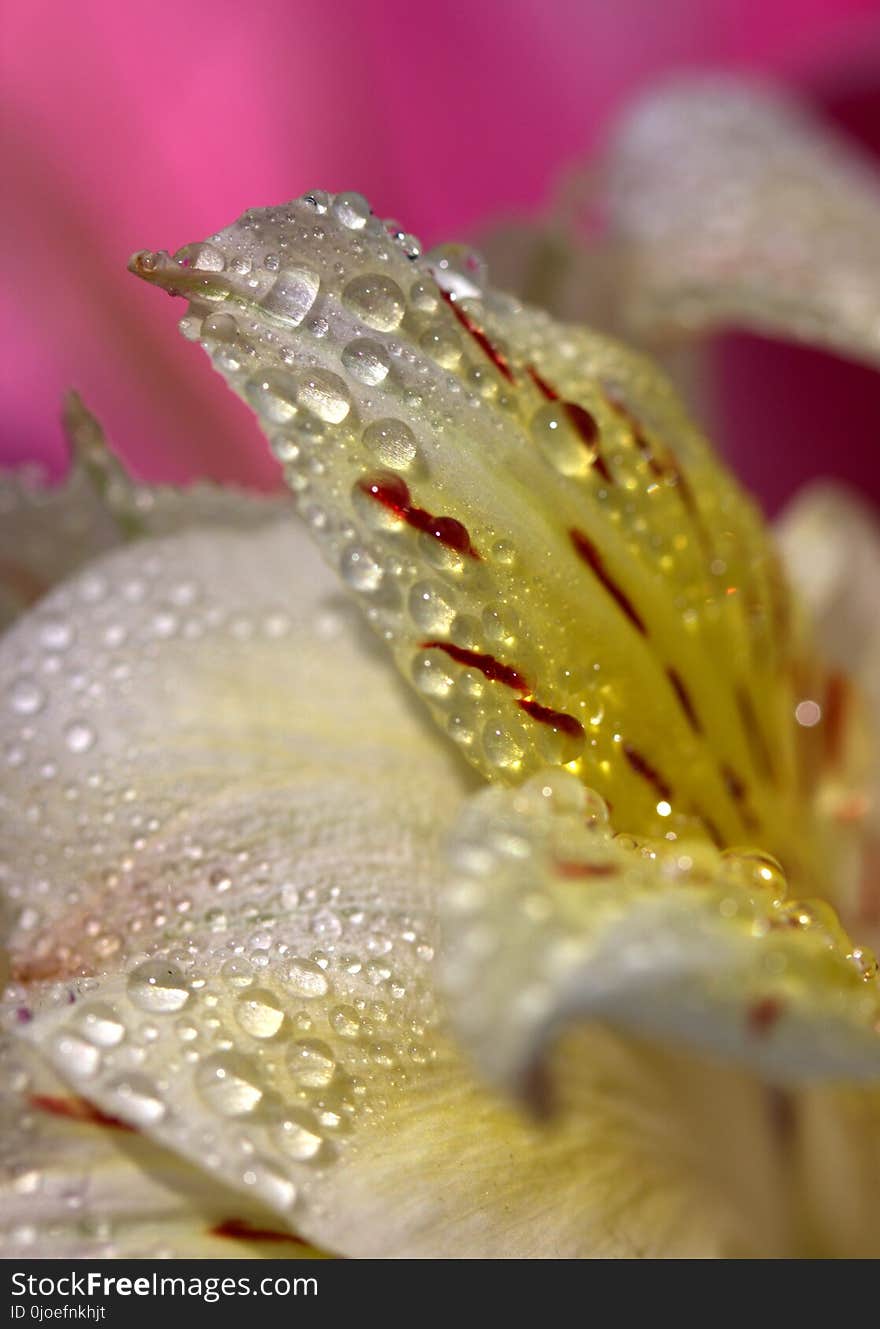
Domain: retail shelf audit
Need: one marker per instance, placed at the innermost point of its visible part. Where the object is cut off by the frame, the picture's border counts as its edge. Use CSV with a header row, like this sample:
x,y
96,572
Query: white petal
x,y
257,816
550,919
733,205
48,531
77,1185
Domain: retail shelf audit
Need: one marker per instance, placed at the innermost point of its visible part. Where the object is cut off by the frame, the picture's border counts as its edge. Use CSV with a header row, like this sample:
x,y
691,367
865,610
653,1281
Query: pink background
x,y
130,126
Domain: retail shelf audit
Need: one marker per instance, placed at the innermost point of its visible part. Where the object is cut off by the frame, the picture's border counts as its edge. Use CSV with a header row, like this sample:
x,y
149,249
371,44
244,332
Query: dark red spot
x,y
685,702
574,871
77,1109
24,1015
479,336
763,1014
643,767
760,751
239,1230
591,556
711,830
733,784
393,493
834,716
488,666
567,724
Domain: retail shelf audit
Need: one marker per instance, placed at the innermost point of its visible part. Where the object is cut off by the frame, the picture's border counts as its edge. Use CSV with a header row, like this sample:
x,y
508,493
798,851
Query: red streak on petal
x,y
77,1109
834,713
567,724
762,1016
479,337
684,698
488,666
586,550
393,493
642,767
573,871
239,1230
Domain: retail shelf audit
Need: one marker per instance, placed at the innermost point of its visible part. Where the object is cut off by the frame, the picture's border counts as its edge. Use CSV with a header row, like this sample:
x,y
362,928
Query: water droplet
x,y
311,1063
77,1056
352,210
345,1021
500,747
238,972
292,294
359,568
376,300
366,361
442,345
457,269
306,978
325,395
259,1013
298,1135
273,394
137,1100
79,736
229,1084
564,448
26,697
100,1024
430,610
393,443
158,987
56,635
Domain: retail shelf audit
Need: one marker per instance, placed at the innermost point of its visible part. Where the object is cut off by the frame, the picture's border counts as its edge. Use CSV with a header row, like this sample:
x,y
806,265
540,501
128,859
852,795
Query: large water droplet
x,y
79,736
568,450
306,978
137,1100
298,1135
325,395
76,1055
430,610
229,1084
158,987
352,210
376,300
311,1063
259,1013
366,361
393,443
100,1024
273,394
359,569
292,293
457,269
26,696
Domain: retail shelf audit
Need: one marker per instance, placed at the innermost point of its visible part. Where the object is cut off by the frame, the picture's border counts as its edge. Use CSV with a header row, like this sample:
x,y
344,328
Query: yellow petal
x,y
555,558
550,918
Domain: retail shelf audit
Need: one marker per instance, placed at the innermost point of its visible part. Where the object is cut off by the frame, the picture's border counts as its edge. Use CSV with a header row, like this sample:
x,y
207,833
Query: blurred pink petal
x,y
126,123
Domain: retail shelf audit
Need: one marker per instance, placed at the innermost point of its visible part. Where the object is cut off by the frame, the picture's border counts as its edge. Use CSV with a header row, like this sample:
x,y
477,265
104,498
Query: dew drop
x,y
76,1055
345,1021
273,394
100,1024
311,1063
366,361
352,210
376,300
137,1100
359,569
158,987
79,736
259,1013
292,294
392,442
306,978
229,1084
298,1135
429,609
26,697
563,448
325,395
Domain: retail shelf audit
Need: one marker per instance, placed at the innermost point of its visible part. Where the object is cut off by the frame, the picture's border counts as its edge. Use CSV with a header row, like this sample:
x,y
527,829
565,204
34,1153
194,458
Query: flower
x,y
225,825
